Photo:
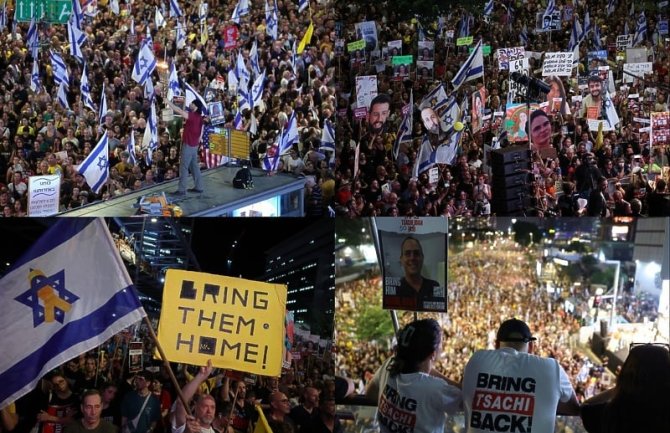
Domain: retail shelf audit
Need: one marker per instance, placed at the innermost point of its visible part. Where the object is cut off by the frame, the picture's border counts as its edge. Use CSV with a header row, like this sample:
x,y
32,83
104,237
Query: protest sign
x,y
637,69
505,55
624,41
367,31
356,45
660,128
486,50
663,27
366,90
517,90
43,195
426,50
413,259
558,64
516,119
135,358
402,60
548,23
464,41
237,323
636,55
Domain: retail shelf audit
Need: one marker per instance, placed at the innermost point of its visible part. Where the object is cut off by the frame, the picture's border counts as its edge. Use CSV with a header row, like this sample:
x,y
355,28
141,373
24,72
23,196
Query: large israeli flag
x,y
95,168
145,63
59,69
426,158
473,68
58,302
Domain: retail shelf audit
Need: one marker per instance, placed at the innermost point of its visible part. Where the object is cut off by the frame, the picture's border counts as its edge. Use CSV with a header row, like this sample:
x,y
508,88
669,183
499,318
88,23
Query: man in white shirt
x,y
511,390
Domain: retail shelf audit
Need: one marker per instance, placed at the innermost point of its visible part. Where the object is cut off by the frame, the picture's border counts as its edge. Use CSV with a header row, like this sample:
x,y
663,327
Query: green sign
x,y
51,11
357,45
464,41
401,60
486,50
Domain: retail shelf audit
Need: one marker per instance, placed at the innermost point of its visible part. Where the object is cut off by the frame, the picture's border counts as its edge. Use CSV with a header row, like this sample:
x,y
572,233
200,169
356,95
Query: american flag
x,y
211,160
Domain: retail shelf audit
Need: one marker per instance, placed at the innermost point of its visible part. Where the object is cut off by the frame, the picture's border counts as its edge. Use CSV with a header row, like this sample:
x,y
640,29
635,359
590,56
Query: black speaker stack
x,y
510,184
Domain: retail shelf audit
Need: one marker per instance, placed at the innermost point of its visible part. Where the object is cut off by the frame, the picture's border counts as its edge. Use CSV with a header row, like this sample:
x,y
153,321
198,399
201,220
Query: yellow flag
x,y
262,423
305,39
599,138
205,35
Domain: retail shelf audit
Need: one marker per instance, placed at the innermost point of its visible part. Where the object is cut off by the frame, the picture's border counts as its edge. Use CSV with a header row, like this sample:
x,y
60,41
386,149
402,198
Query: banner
x,y
505,55
366,90
660,128
638,69
43,195
413,252
558,64
237,323
517,91
516,118
464,41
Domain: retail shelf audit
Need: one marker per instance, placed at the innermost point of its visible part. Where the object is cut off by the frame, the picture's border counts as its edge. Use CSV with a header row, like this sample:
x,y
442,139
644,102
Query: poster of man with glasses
x,y
413,252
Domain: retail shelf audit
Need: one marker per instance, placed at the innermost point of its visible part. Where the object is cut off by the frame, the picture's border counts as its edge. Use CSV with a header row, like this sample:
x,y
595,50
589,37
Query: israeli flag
x,y
181,36
150,139
237,121
241,71
257,90
551,7
103,105
3,16
159,19
86,90
473,68
611,7
447,152
290,135
33,39
587,27
488,8
302,5
54,308
611,115
145,63
270,163
436,98
59,69
253,59
426,158
95,168
173,83
131,148
190,95
626,30
175,10
241,9
405,131
327,136
597,44
523,36
272,27
149,88
62,96
114,7
641,30
35,83
574,35
76,38
77,14
244,99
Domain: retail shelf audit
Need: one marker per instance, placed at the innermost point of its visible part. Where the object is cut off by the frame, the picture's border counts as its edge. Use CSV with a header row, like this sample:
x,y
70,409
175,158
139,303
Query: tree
x,y
374,324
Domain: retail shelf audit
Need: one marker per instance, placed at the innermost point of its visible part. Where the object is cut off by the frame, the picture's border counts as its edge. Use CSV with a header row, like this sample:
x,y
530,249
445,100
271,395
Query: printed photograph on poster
x,y
394,48
216,113
516,121
135,361
424,70
426,50
660,128
401,70
414,263
339,47
367,30
556,97
357,58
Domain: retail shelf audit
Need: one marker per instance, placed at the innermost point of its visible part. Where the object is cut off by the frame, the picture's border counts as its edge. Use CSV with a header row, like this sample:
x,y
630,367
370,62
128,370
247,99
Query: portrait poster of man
x,y
414,263
216,113
478,105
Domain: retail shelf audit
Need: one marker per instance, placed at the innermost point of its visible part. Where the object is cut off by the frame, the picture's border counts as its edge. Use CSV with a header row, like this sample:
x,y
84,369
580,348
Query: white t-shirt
x,y
514,392
415,402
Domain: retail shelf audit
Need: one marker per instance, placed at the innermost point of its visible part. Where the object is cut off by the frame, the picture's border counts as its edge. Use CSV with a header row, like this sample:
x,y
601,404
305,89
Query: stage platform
x,y
280,195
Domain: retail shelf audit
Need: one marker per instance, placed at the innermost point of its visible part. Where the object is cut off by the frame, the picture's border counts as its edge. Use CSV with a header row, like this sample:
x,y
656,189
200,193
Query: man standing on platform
x,y
190,140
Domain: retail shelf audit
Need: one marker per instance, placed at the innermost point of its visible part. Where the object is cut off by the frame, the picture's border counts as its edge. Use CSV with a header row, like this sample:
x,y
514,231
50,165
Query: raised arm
x,y
176,109
189,391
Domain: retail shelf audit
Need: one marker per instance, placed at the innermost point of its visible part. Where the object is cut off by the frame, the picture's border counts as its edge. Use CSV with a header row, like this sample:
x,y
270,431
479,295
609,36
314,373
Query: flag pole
x,y
166,363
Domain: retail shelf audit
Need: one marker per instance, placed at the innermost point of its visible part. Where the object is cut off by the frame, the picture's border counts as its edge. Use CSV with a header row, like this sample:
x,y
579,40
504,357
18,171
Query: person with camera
x,y
587,175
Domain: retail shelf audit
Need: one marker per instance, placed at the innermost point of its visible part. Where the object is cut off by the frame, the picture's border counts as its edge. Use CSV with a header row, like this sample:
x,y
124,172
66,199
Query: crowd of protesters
x,y
293,402
486,286
39,136
614,172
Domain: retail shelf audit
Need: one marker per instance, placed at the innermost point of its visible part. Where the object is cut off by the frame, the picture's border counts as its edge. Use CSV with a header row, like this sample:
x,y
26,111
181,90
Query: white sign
x,y
558,64
366,90
638,69
636,55
516,90
505,55
433,175
624,41
43,195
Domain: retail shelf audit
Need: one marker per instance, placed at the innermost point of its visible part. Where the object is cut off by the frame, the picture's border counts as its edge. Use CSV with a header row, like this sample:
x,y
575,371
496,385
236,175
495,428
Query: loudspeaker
x,y
603,328
510,184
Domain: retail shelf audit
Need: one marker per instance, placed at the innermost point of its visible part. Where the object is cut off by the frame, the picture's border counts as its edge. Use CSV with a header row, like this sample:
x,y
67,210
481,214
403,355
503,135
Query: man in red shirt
x,y
190,140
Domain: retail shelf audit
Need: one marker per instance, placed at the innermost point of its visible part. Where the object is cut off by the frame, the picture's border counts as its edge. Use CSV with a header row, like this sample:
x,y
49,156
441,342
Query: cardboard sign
x,y
558,64
637,69
135,360
237,323
402,60
464,41
357,45
505,55
366,90
43,195
624,41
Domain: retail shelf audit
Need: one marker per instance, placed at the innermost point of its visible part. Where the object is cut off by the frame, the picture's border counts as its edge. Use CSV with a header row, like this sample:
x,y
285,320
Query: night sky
x,y
211,244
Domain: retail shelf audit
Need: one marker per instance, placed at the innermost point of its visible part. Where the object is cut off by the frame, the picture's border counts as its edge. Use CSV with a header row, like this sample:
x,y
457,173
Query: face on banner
x,y
379,111
414,263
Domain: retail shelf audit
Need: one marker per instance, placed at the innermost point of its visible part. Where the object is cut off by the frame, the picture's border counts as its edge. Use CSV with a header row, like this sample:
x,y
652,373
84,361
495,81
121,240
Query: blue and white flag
x,y
77,14
551,7
35,83
597,44
405,131
257,90
238,123
57,302
181,36
58,68
272,27
488,8
464,27
159,19
611,115
586,28
523,36
173,83
150,139
446,152
426,158
302,5
175,10
3,16
241,72
145,63
473,68
451,113
436,98
327,136
131,148
33,39
241,9
95,168
190,95
611,7
103,105
290,135
149,88
76,38
62,96
86,90
626,30
631,11
270,163
641,30
253,59
114,7
574,35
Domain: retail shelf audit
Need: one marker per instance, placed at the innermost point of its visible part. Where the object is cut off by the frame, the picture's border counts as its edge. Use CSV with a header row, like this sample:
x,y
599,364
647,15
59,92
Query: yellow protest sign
x,y
237,323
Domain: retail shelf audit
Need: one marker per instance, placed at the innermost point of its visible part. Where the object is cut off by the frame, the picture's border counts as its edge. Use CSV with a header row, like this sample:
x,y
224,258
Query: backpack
x,y
243,179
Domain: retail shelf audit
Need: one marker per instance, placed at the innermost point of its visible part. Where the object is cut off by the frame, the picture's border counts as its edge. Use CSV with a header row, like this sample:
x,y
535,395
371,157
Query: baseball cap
x,y
514,330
